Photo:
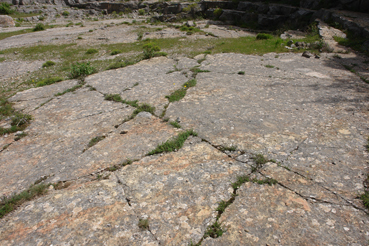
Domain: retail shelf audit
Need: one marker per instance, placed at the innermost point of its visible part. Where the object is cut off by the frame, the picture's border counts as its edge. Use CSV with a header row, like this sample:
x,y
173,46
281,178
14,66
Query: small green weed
x,y
196,70
39,27
19,136
190,83
175,124
48,64
65,13
173,144
365,198
74,88
269,66
7,205
228,148
214,231
217,12
144,108
95,140
263,36
240,180
81,69
92,51
260,160
143,224
113,97
241,73
150,50
177,95
115,52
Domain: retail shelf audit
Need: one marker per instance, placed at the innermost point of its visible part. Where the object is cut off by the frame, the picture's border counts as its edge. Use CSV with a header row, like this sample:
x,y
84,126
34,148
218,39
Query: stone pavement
x,y
308,117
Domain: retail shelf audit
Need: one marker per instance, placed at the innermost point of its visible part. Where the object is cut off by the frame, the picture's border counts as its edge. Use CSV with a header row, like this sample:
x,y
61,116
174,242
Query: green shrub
x,y
48,81
39,27
41,18
81,69
115,52
65,13
48,64
92,51
217,12
261,36
5,9
17,24
141,11
149,50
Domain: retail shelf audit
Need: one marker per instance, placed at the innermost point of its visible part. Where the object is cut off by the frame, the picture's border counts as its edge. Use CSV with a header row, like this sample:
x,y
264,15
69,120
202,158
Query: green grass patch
x,y
269,66
39,27
48,64
48,81
175,124
74,88
143,224
92,51
353,41
113,97
95,140
143,108
4,35
115,52
241,73
81,70
177,95
262,36
228,148
190,83
214,231
173,144
8,204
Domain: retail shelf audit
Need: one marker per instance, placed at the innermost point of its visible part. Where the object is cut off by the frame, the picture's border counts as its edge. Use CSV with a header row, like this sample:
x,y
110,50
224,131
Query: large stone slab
x,y
177,192
273,215
60,131
147,82
90,214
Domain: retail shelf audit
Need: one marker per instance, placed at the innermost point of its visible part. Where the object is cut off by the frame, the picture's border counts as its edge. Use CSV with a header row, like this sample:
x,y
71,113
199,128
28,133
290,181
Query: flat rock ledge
x,y
307,117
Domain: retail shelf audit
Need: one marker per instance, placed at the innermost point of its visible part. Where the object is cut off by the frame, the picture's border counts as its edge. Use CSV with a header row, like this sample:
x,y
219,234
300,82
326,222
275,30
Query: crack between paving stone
x,y
7,146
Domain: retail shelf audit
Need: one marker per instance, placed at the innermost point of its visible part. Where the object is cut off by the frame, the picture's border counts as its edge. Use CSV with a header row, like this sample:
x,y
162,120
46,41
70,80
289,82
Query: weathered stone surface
x,y
94,213
6,21
30,99
273,215
178,192
61,129
154,83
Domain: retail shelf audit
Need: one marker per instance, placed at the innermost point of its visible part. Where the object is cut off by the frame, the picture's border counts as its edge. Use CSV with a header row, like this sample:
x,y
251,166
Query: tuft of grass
x,y
240,180
269,66
173,144
65,13
190,83
260,160
48,64
143,108
39,27
48,81
264,36
95,140
115,52
74,88
19,136
113,97
241,73
214,231
177,95
120,64
228,148
175,124
92,51
268,181
143,224
81,70
365,198
8,204
196,70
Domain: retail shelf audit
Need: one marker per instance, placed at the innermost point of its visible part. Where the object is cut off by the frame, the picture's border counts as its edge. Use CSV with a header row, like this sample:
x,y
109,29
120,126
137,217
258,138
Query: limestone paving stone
x,y
154,83
180,191
29,100
57,135
94,213
273,215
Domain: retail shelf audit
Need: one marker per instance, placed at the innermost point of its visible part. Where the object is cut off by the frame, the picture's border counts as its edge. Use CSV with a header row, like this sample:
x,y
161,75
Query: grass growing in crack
x,y
74,88
240,180
95,140
352,70
241,73
48,81
175,124
19,121
177,95
196,70
144,108
143,224
228,148
260,160
190,83
244,179
120,64
92,51
8,204
214,231
269,66
173,144
113,97
20,136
